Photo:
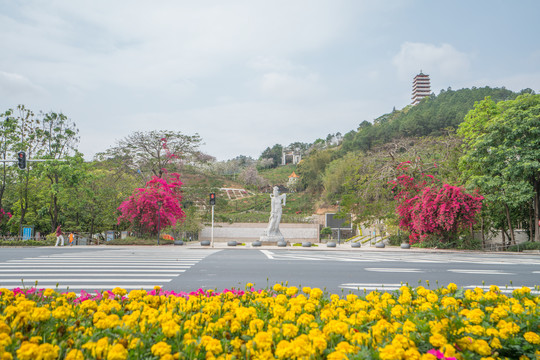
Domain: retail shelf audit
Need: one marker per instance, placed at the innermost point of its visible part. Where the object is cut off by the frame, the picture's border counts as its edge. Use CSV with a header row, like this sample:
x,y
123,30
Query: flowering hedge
x,y
282,322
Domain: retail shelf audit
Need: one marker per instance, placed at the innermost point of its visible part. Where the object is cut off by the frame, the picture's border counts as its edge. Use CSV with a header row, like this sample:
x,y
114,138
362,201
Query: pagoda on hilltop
x,y
421,87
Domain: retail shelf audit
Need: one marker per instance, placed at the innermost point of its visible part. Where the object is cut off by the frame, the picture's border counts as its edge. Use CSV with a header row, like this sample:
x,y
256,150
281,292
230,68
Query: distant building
x,y
290,155
293,181
421,87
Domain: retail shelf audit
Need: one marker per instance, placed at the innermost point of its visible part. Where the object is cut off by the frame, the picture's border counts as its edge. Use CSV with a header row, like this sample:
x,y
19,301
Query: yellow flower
x,y
5,340
40,314
170,328
263,340
102,347
117,352
119,291
289,330
291,291
74,354
532,337
161,348
337,355
437,340
391,352
315,293
481,347
27,351
496,343
48,292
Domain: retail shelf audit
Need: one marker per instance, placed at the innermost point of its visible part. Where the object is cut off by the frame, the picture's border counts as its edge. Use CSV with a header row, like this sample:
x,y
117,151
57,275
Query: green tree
x,y
312,168
273,153
155,152
8,137
503,152
58,137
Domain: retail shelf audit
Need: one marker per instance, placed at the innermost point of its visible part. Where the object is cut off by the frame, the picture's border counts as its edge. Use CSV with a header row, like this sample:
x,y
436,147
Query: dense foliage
x,y
502,158
429,118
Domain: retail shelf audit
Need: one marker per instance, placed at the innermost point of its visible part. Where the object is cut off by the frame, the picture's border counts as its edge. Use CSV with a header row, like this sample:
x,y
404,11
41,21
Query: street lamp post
x,y
159,221
339,226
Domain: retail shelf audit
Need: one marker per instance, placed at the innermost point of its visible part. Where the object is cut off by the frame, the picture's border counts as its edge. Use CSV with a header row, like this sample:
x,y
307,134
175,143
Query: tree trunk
x,y
483,233
91,231
510,227
531,222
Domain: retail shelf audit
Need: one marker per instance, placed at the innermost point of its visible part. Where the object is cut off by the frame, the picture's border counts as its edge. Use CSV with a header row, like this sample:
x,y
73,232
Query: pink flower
x,y
439,355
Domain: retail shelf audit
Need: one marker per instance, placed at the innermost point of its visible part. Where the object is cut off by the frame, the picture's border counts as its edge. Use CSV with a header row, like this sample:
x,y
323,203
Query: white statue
x,y
277,202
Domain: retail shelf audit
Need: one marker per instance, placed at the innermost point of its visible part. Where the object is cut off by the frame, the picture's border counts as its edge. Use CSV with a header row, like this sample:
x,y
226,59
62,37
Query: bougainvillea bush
x,y
143,211
426,207
278,323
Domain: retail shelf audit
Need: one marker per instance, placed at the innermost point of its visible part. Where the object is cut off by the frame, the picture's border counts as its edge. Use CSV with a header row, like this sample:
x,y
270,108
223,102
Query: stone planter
x,y
205,243
282,243
231,243
380,245
306,244
256,243
405,245
178,242
356,245
331,244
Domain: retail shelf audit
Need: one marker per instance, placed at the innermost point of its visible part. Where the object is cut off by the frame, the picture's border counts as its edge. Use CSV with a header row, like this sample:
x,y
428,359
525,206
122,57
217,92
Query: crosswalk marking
x,y
480,272
371,286
399,270
398,256
131,268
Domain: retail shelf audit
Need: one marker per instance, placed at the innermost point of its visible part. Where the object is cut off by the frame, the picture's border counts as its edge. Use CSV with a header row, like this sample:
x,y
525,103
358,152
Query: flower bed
x,y
282,322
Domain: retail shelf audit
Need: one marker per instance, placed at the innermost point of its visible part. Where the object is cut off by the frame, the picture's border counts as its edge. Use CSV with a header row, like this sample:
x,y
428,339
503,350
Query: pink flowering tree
x,y
141,209
426,207
4,217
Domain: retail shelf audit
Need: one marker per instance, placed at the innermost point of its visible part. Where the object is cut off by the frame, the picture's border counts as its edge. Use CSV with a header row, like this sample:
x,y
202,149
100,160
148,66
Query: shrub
x,y
529,245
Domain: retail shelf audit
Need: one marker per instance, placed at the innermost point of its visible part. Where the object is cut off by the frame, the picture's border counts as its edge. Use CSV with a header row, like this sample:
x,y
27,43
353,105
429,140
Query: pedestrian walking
x,y
70,239
59,235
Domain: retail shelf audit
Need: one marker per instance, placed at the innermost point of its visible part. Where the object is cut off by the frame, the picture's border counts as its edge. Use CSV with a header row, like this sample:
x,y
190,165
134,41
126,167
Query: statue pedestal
x,y
265,239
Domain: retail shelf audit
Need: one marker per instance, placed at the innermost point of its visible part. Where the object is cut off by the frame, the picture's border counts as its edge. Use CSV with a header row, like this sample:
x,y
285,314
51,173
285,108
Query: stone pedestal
x,y
272,239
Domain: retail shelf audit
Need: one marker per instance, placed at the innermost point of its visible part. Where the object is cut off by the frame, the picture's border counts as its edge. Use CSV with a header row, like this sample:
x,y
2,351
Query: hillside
x,y
429,118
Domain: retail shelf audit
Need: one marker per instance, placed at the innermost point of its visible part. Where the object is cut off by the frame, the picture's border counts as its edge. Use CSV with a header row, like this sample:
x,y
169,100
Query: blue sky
x,y
246,75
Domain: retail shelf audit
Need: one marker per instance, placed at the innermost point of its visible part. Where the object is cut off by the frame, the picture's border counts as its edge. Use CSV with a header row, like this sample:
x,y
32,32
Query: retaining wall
x,y
247,232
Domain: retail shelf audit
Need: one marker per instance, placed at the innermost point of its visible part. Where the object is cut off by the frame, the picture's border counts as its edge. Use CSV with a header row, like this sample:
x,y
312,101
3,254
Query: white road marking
x,y
370,286
400,270
129,269
480,272
503,288
268,254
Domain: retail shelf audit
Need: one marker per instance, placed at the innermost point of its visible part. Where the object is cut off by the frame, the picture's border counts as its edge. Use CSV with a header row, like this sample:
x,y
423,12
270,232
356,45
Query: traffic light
x,y
212,199
21,157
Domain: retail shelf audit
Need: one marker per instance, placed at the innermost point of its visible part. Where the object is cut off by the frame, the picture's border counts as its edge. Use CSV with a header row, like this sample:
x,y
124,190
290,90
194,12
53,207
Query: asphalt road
x,y
345,271
340,271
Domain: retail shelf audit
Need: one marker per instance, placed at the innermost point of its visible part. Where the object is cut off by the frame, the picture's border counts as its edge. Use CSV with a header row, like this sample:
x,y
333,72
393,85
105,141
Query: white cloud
x,y
272,63
15,85
446,61
285,86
